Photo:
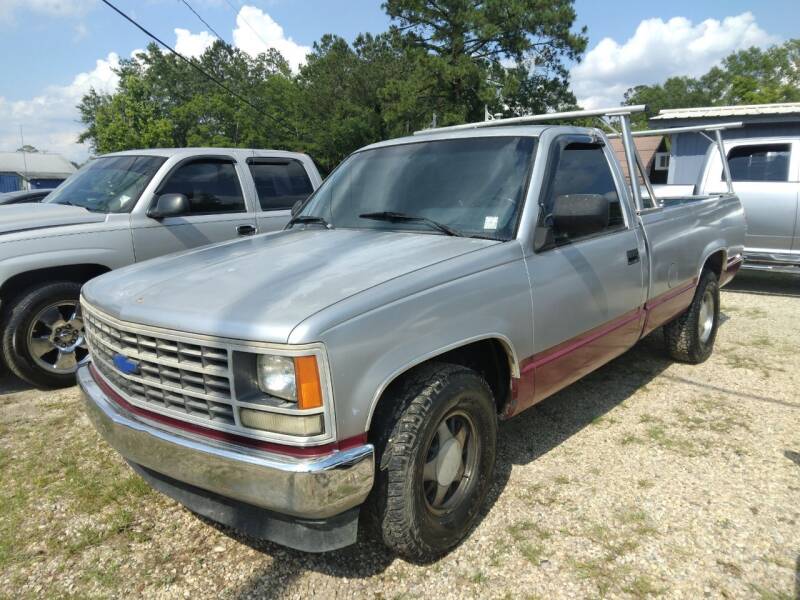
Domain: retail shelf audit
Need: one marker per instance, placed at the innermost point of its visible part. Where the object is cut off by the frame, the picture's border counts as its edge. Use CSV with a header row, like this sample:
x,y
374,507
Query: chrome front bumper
x,y
309,488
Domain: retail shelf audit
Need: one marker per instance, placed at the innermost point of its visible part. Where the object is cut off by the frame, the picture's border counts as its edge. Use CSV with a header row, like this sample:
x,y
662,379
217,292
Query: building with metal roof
x,y
32,170
687,150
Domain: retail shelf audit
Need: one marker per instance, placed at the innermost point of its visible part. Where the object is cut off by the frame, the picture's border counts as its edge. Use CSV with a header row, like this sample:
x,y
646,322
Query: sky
x,y
56,50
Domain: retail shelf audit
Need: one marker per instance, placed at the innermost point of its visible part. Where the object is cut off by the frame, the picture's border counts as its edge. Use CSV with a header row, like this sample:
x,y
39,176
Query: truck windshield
x,y
472,186
110,184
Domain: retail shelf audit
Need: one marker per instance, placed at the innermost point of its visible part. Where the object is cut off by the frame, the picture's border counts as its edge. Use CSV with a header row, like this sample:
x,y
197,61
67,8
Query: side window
x,y
280,184
580,186
211,185
759,162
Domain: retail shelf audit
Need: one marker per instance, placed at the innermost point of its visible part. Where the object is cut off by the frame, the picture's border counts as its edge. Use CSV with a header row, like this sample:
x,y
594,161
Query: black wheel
x,y
436,453
690,336
43,340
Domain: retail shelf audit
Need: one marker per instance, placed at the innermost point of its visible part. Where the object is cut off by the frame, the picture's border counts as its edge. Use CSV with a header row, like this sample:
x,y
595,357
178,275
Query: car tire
x,y
436,455
690,337
26,334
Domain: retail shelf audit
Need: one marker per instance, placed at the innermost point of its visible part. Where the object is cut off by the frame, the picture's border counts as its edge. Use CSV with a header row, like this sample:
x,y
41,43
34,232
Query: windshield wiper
x,y
309,219
388,215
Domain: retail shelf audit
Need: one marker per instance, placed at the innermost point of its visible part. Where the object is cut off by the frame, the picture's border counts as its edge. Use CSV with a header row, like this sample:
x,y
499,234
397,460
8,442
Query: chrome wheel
x,y
706,316
452,463
55,338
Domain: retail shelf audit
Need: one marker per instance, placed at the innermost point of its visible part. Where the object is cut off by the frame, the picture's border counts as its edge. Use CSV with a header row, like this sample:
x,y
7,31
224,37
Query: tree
x,y
344,95
163,101
751,76
448,57
507,54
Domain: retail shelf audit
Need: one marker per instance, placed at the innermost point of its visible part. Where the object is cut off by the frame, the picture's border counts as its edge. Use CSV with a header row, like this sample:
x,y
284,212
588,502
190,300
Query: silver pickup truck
x,y
119,209
766,176
433,285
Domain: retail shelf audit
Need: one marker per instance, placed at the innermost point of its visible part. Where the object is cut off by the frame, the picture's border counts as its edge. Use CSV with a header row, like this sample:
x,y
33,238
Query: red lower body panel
x,y
547,372
663,308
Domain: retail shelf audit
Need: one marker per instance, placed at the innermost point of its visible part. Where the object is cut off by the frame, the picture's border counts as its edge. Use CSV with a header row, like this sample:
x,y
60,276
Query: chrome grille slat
x,y
131,352
175,376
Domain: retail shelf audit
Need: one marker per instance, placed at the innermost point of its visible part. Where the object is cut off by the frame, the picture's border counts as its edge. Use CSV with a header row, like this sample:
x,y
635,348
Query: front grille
x,y
173,375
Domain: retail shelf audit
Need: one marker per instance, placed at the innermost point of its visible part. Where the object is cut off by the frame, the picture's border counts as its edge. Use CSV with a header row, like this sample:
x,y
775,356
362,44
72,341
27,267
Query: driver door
x,y
217,209
588,286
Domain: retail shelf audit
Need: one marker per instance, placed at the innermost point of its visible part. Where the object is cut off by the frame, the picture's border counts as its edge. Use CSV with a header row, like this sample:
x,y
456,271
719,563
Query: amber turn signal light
x,y
309,390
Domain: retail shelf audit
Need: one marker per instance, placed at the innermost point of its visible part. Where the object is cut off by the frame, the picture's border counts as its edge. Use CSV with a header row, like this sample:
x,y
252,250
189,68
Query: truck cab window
x,y
581,173
759,162
210,184
279,183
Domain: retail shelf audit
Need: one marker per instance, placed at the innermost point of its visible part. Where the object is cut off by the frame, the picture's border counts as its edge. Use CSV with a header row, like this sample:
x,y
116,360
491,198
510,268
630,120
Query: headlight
x,y
293,379
276,376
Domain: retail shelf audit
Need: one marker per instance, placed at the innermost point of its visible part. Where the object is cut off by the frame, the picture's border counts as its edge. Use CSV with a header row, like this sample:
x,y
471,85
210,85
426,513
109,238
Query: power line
x,y
196,14
198,68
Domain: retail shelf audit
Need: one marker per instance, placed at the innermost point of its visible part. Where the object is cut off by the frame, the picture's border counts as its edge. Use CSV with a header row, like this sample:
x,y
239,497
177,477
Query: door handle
x,y
633,256
245,229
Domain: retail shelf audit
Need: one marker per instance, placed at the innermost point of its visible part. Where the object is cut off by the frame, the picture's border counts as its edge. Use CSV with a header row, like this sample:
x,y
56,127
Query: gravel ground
x,y
648,478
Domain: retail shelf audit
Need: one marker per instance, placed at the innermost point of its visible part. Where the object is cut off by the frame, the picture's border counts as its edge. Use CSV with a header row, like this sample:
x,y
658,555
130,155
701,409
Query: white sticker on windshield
x,y
490,223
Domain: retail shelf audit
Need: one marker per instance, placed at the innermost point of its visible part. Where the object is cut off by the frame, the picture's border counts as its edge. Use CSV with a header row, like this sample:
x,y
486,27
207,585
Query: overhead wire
x,y
287,128
202,20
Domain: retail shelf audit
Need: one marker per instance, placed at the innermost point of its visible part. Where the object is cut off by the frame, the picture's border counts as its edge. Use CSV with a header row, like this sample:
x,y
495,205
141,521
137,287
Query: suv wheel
x,y
43,340
436,457
690,337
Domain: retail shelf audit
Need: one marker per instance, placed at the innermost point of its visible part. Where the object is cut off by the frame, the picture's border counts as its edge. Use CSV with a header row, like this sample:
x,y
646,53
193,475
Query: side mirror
x,y
169,205
297,206
572,216
578,215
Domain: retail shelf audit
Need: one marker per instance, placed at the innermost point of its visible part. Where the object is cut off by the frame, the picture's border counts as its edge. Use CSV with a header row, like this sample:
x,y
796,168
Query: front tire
x,y
436,453
690,337
43,339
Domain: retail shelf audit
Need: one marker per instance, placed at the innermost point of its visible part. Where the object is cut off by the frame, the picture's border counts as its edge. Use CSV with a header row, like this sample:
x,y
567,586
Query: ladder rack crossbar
x,y
616,111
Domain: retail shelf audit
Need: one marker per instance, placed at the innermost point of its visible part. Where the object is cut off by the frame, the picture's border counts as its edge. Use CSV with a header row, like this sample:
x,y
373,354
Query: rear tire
x,y
42,338
436,456
690,337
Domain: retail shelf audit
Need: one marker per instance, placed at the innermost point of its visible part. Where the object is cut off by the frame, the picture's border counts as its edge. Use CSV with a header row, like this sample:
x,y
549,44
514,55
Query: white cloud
x,y
192,44
50,120
256,32
659,50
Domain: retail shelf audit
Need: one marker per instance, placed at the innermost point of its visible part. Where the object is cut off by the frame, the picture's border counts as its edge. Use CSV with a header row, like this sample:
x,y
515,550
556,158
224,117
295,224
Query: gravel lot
x,y
646,478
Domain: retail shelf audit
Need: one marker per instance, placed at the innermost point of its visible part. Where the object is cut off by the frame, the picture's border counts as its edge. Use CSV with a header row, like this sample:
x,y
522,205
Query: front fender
x,y
369,351
29,255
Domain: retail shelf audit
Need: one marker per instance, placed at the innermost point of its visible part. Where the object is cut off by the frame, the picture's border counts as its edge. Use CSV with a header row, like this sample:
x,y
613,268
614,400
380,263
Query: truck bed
x,y
684,228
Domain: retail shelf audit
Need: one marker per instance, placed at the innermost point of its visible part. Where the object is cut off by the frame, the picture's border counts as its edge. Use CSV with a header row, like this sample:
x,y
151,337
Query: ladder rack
x,y
616,111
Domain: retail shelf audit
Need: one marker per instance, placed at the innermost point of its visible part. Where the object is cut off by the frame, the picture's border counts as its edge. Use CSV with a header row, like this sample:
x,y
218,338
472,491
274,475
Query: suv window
x,y
279,184
759,162
581,169
210,184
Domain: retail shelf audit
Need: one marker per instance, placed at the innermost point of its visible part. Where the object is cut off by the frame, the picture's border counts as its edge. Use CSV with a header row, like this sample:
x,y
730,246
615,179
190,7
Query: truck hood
x,y
28,217
263,287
